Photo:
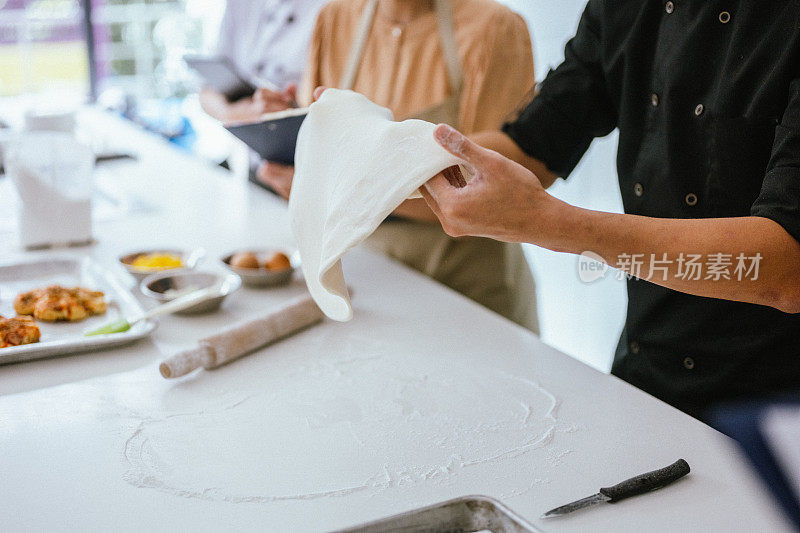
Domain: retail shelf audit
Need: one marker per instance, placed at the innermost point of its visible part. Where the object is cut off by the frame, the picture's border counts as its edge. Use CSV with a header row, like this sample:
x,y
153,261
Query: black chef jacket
x,y
706,96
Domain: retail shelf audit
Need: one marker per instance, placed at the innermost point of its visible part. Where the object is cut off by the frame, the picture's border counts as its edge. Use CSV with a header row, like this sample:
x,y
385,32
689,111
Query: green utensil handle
x,y
647,482
118,326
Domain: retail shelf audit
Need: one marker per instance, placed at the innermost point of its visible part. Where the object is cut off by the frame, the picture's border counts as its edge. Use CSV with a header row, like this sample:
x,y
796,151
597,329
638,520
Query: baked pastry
x,y
94,301
56,303
17,331
25,302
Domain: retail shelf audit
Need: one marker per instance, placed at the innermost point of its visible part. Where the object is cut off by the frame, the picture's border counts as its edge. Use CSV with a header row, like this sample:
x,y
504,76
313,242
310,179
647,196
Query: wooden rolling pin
x,y
239,340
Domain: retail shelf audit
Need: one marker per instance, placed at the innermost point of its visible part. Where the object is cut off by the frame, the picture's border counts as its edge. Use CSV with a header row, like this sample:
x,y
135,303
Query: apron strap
x,y
447,36
357,49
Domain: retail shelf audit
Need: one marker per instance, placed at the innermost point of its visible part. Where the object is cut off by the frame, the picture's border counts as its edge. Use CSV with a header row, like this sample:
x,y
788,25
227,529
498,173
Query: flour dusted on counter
x,y
361,423
353,166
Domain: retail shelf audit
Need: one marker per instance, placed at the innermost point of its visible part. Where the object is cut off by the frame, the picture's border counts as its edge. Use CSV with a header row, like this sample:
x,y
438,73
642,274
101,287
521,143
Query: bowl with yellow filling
x,y
145,262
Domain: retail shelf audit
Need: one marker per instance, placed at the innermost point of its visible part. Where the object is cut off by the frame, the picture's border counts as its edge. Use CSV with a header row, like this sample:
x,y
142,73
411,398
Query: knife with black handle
x,y
630,487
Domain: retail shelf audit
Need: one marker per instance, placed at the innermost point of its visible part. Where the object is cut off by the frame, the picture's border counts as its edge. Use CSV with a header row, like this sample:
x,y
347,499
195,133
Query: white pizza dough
x,y
353,166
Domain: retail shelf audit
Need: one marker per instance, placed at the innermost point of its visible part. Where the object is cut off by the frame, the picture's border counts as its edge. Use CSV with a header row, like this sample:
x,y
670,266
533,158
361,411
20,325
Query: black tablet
x,y
273,136
221,73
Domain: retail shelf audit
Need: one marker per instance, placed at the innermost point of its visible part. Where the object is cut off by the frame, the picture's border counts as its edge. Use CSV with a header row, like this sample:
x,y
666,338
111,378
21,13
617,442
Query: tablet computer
x,y
273,136
221,73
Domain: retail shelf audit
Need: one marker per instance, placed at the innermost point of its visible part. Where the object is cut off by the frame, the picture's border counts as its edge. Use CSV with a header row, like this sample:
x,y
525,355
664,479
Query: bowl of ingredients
x,y
168,285
261,268
143,263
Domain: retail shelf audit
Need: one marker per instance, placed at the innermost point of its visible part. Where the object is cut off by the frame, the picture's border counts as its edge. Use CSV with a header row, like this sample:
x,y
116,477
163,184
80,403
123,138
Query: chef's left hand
x,y
318,92
277,176
503,201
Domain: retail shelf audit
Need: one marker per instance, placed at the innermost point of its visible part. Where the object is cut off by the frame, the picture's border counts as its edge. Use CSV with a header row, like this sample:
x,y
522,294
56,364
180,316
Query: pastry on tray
x,y
57,303
17,331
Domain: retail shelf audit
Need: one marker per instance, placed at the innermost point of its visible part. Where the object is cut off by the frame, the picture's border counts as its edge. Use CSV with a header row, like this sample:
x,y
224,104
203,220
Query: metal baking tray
x,y
468,514
62,338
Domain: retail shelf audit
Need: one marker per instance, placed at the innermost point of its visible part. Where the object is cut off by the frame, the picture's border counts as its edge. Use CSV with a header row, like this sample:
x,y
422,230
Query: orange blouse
x,y
403,67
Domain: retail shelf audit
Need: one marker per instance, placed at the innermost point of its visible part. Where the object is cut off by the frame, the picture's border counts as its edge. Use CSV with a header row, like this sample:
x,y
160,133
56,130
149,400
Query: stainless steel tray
x,y
462,515
64,338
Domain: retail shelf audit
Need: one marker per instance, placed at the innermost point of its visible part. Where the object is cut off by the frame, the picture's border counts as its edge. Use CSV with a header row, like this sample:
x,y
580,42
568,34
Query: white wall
x,y
583,320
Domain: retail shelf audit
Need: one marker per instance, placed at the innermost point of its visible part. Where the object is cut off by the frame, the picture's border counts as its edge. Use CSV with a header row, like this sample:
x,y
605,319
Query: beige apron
x,y
492,273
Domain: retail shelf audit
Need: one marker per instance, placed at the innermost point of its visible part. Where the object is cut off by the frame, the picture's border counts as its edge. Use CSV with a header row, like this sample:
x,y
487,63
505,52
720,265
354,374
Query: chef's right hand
x,y
503,201
249,108
279,177
271,101
242,110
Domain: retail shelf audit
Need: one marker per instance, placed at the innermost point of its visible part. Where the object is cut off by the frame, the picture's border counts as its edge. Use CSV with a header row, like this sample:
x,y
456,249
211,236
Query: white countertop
x,y
423,397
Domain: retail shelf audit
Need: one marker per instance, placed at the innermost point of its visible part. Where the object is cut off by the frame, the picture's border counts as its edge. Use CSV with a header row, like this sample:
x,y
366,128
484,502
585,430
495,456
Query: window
x,y
137,45
42,47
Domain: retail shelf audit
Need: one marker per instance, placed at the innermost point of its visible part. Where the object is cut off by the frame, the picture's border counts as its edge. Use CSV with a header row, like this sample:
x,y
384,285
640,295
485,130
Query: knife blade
x,y
630,487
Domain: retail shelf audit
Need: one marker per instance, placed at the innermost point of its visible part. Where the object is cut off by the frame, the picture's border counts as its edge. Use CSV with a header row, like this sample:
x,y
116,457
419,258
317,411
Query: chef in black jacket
x,y
706,97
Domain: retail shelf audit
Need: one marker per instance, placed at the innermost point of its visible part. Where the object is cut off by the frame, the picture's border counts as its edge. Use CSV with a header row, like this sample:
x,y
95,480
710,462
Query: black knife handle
x,y
646,482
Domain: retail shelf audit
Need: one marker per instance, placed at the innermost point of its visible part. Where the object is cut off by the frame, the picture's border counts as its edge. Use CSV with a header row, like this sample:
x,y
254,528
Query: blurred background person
x,y
467,63
268,41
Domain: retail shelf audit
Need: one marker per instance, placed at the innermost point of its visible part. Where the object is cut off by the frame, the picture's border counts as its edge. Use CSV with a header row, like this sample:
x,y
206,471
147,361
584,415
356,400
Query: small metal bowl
x,y
261,277
168,285
189,260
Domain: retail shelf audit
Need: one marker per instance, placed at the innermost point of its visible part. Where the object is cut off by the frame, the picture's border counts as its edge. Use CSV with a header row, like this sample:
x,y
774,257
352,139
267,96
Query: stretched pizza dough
x,y
353,166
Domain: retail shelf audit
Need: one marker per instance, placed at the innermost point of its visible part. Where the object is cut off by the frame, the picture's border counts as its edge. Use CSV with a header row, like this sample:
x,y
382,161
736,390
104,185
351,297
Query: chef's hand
x,y
318,92
242,110
271,101
503,201
277,176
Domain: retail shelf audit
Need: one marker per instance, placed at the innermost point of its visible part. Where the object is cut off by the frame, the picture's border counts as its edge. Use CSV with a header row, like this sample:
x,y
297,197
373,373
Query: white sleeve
x,y
225,37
